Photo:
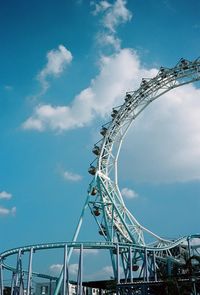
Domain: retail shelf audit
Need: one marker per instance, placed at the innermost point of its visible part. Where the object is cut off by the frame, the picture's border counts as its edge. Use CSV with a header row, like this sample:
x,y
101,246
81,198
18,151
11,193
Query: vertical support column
x,y
12,283
130,265
59,282
1,278
144,266
169,267
65,273
189,247
17,274
112,223
50,286
29,276
194,287
118,266
146,278
80,273
154,267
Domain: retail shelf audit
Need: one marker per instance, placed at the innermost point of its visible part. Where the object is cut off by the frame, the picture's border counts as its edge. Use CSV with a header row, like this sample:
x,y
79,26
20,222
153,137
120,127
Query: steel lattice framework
x,y
124,235
118,223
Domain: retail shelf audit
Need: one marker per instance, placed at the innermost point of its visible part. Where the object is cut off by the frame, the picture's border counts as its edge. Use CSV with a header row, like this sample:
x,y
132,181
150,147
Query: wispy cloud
x,y
113,14
57,61
73,268
70,176
56,268
174,159
99,7
5,195
112,81
5,211
110,40
166,139
129,193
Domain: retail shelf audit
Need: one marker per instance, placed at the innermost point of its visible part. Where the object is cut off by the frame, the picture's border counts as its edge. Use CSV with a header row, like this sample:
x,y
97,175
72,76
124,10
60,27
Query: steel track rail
x,y
87,245
105,166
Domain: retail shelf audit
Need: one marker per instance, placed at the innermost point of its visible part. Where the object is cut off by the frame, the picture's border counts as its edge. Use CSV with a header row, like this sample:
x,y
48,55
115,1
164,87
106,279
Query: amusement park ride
x,y
144,265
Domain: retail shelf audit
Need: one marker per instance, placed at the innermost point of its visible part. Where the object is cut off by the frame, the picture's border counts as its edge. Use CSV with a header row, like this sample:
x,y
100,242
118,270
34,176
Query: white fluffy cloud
x,y
56,268
5,211
119,73
114,14
73,268
69,176
109,40
117,14
5,195
129,193
57,60
101,6
163,145
166,136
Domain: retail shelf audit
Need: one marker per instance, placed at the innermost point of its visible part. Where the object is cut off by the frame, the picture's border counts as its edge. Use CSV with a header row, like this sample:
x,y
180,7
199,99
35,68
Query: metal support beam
x,y
21,287
189,247
154,267
65,273
17,274
12,283
29,276
169,267
59,283
118,265
146,277
194,288
130,265
50,287
80,272
1,278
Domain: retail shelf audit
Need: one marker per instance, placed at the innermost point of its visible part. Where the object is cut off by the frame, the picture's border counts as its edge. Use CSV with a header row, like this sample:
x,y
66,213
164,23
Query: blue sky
x,y
64,65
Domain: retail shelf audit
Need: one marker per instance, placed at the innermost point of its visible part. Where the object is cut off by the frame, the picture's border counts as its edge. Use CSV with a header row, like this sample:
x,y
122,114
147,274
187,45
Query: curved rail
x,y
119,223
125,247
118,226
94,245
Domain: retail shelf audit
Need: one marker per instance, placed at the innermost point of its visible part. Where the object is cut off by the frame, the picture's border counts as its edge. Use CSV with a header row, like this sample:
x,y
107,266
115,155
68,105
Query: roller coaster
x,y
135,262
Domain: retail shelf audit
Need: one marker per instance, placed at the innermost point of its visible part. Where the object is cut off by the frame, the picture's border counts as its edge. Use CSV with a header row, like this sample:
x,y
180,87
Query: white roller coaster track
x,y
119,227
119,223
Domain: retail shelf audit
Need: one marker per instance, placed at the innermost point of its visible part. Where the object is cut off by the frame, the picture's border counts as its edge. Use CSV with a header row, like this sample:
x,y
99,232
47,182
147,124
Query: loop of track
x,y
104,167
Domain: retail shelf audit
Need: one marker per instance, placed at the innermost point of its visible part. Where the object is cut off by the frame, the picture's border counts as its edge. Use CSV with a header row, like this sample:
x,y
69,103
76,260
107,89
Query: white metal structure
x,y
124,235
119,224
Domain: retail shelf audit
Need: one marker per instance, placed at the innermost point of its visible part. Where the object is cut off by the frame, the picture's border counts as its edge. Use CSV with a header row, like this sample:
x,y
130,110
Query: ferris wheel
x,y
124,236
117,223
